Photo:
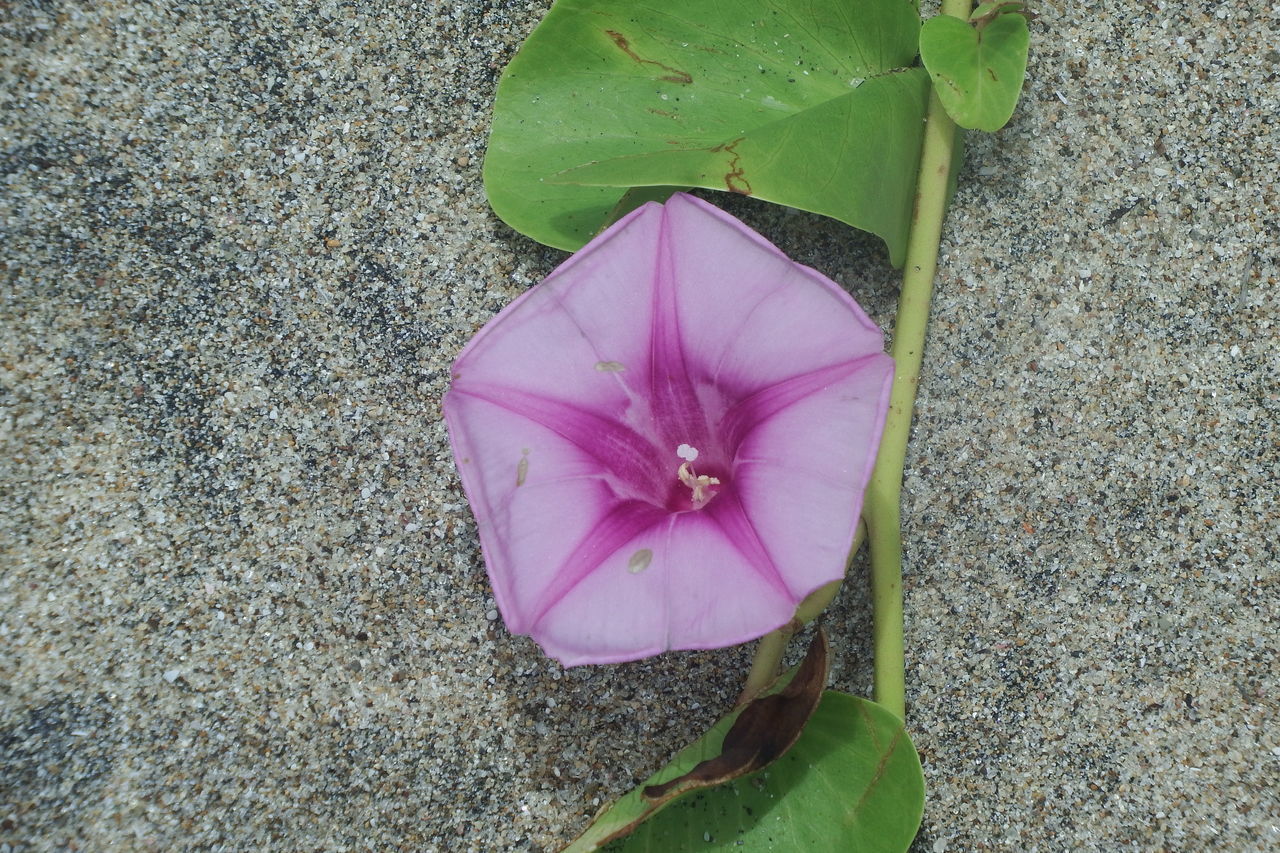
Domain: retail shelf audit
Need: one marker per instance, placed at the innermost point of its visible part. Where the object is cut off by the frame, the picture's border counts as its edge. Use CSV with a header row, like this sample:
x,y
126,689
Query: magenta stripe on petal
x,y
623,523
618,449
673,400
767,402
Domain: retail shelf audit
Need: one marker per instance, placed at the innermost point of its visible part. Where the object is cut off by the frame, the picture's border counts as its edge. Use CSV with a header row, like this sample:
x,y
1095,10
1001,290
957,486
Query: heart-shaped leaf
x,y
852,782
811,105
746,740
977,68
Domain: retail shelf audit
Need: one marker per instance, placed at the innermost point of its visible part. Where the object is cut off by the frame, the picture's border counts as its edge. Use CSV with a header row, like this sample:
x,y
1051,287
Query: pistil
x,y
704,488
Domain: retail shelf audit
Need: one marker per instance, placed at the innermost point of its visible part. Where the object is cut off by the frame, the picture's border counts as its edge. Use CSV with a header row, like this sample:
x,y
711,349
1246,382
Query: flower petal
x,y
519,477
582,335
750,315
695,591
677,351
803,451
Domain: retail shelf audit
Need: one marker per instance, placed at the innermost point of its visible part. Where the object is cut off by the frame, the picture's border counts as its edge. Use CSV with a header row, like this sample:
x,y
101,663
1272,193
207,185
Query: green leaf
x,y
977,68
637,197
811,105
767,727
992,8
851,782
751,738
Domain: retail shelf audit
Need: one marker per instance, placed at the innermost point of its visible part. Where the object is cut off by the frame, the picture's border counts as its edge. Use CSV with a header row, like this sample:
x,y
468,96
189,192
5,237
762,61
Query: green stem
x,y
764,666
772,646
882,509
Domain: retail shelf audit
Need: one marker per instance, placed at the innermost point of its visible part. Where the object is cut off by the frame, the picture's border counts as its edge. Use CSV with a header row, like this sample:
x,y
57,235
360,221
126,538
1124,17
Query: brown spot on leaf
x,y
992,72
886,752
734,179
765,729
673,75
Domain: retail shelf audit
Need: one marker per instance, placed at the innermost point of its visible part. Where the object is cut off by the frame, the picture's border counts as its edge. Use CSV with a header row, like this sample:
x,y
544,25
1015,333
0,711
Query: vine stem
x,y
882,509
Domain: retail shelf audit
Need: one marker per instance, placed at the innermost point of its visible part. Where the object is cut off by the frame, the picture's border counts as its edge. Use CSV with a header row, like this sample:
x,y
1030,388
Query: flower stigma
x,y
703,486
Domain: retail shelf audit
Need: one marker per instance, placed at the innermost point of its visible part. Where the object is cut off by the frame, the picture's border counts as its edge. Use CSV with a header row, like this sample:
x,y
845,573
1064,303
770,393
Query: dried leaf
x,y
765,729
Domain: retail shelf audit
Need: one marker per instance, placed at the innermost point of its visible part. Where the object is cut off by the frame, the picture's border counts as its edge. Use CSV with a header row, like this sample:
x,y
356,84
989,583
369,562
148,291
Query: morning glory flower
x,y
666,442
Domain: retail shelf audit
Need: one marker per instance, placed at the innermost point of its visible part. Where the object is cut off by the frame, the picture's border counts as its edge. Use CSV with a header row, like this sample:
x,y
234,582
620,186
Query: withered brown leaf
x,y
765,729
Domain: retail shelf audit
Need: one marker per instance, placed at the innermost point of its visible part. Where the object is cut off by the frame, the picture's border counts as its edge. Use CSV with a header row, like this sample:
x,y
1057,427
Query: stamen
x,y
687,452
702,485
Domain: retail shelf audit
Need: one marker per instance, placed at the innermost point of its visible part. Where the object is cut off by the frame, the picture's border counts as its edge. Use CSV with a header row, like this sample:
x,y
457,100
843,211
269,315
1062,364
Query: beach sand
x,y
242,604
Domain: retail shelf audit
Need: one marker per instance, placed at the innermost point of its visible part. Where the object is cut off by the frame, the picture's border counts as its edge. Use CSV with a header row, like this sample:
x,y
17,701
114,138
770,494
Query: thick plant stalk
x,y
882,509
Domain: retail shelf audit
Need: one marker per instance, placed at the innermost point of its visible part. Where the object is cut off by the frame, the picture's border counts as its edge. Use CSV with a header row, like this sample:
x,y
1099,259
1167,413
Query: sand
x,y
242,603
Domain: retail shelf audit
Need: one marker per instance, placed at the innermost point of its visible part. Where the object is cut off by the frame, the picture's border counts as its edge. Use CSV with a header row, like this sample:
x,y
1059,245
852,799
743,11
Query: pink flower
x,y
666,443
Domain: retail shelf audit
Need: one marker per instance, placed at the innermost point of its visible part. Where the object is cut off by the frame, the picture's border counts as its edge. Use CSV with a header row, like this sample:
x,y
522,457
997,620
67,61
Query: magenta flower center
x,y
684,481
690,448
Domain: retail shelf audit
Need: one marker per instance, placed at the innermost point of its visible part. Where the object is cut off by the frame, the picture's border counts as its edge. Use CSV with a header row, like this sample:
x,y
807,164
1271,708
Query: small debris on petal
x,y
522,468
640,561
